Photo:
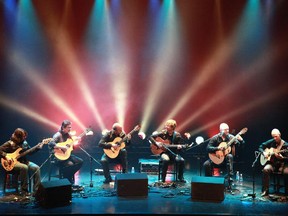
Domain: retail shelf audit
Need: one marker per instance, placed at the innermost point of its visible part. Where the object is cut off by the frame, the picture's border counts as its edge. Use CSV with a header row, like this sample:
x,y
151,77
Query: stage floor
x,y
170,198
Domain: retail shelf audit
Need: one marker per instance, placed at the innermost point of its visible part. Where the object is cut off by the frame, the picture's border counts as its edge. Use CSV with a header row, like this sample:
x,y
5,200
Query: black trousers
x,y
120,159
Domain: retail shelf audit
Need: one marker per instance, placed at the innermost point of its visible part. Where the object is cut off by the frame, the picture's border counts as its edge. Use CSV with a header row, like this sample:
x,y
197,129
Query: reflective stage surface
x,y
168,198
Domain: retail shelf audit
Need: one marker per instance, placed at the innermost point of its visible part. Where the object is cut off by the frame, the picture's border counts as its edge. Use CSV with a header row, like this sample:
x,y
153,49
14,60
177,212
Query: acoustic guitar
x,y
9,165
64,153
113,152
218,156
270,152
162,145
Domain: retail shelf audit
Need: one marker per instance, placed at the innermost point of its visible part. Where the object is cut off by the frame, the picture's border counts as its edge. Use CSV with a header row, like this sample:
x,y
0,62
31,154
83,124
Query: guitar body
x,y
9,166
158,150
69,143
112,152
219,156
270,155
61,154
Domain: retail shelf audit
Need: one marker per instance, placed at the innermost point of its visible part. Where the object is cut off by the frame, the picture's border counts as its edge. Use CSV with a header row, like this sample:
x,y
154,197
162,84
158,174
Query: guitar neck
x,y
232,140
29,150
174,145
126,136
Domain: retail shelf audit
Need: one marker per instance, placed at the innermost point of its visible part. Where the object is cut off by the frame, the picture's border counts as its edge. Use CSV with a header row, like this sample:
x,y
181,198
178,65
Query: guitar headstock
x,y
137,128
243,131
46,141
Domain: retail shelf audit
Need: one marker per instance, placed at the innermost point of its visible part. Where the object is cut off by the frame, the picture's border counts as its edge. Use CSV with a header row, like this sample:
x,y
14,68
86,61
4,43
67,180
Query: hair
x,y
65,123
171,122
19,135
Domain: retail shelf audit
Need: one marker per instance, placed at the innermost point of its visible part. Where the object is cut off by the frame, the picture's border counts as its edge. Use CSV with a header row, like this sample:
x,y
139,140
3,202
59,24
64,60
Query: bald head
x,y
275,131
117,128
224,129
223,126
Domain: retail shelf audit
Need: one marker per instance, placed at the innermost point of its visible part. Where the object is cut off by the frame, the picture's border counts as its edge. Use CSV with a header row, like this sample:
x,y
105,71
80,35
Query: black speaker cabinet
x,y
54,193
207,188
131,184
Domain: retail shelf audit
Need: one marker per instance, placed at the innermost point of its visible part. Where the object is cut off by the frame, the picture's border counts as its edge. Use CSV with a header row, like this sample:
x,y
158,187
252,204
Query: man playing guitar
x,y
219,149
275,161
114,141
22,165
68,166
169,143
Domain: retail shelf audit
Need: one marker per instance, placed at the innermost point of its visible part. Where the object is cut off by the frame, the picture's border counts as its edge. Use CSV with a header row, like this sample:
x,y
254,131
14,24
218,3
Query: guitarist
x,y
278,162
70,166
171,155
106,142
214,146
24,167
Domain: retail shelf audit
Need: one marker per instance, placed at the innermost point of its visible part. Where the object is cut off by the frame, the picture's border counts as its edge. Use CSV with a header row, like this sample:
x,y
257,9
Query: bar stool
x,y
277,183
11,181
54,166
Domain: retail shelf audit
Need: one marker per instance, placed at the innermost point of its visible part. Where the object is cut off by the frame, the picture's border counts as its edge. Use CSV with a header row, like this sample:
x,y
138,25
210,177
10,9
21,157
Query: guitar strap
x,y
173,137
280,146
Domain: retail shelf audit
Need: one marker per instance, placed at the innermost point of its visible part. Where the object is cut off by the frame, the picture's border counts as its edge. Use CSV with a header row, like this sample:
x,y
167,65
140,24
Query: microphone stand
x,y
199,156
253,195
31,177
91,159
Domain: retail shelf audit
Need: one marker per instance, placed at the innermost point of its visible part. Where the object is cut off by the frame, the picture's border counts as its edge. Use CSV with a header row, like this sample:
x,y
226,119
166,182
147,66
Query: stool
x,y
11,180
52,166
172,169
276,177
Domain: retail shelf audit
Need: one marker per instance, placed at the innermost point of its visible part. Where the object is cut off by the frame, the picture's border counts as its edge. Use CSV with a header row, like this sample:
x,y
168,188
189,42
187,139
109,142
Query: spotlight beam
x,y
263,62
26,111
38,81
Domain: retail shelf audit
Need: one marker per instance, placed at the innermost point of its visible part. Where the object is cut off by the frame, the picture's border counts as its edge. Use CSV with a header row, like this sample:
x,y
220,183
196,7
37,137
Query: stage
x,y
168,198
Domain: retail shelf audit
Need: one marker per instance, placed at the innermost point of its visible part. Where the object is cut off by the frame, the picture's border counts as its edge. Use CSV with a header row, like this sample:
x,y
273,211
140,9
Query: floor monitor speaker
x,y
207,188
54,193
131,184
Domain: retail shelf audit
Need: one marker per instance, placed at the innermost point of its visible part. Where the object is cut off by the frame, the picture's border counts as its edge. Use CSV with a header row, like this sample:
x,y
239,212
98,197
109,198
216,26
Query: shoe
x,y
265,193
107,181
77,188
25,194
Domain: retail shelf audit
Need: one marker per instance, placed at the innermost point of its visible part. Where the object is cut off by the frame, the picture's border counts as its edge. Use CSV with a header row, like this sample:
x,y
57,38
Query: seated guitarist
x,y
23,165
73,163
171,154
109,142
278,161
214,146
